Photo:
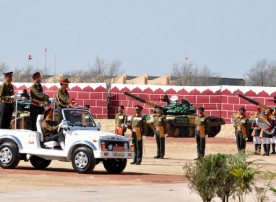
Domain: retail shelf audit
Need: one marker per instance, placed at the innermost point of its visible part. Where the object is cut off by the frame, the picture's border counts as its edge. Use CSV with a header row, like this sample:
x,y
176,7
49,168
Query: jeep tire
x,y
39,163
114,166
9,155
83,160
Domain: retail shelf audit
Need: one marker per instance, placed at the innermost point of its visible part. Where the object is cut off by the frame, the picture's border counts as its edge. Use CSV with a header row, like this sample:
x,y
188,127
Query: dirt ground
x,y
152,171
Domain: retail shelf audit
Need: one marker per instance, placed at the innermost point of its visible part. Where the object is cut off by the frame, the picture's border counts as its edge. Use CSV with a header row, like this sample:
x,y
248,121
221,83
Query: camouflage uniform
x,y
38,99
201,130
49,131
6,105
63,101
138,126
120,118
159,123
242,127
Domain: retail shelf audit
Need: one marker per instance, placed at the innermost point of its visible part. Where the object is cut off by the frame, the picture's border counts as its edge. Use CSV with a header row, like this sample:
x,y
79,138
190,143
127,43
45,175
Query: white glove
x,y
144,137
206,135
166,135
246,139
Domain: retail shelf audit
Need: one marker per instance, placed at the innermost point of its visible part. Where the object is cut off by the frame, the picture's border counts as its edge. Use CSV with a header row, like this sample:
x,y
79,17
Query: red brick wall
x,y
220,101
93,94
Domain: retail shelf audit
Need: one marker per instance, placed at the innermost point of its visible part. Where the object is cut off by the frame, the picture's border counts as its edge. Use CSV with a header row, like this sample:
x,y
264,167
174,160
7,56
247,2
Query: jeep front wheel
x,y
39,163
9,155
83,160
115,166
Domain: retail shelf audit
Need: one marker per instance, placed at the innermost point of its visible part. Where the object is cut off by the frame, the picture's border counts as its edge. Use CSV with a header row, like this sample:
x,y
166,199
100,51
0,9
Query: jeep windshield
x,y
78,117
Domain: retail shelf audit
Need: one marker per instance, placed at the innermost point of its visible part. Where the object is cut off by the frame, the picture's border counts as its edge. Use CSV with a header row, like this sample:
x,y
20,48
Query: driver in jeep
x,y
50,130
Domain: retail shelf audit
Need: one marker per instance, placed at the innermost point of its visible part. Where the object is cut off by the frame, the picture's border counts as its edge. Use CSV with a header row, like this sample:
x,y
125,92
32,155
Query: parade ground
x,y
153,180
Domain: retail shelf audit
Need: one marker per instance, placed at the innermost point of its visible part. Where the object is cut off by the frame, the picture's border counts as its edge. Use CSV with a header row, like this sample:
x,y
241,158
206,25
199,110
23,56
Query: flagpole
x,y
28,69
45,61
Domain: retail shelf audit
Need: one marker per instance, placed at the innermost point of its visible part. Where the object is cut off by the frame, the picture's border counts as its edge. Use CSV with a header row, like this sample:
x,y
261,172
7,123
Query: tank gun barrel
x,y
142,100
253,101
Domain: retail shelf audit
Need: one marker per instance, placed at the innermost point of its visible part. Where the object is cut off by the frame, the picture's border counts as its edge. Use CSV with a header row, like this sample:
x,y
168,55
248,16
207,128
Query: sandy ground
x,y
154,179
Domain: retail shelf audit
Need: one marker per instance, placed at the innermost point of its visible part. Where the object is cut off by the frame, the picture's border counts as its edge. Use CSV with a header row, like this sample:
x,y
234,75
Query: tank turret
x,y
180,116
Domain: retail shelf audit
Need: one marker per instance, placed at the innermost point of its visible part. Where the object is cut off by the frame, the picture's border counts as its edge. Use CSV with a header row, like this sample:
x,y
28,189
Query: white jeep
x,y
85,145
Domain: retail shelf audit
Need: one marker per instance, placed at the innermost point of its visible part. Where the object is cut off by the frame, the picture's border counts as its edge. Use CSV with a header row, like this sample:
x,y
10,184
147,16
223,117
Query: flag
x,y
30,57
186,58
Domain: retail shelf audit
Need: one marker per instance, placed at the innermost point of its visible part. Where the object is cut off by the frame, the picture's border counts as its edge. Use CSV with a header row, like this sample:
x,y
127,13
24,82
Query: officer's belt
x,y
38,103
8,102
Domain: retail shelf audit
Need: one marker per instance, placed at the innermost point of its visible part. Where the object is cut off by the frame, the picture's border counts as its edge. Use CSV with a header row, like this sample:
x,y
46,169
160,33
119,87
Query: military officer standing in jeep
x,y
120,121
38,100
138,126
63,98
6,105
159,123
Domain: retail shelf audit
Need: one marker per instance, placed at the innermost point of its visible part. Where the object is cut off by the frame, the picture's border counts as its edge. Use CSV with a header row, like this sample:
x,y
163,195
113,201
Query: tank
x,y
180,117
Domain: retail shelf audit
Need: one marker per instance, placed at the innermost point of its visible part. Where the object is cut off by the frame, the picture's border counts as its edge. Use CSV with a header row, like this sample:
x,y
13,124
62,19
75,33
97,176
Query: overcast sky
x,y
147,36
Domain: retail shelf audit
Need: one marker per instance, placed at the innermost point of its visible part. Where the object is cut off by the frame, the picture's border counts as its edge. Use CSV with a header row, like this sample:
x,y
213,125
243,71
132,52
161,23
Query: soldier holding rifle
x,y
38,99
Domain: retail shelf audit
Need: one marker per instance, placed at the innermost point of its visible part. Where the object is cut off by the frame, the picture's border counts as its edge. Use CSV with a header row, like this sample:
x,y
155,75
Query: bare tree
x,y
262,73
188,74
103,71
3,68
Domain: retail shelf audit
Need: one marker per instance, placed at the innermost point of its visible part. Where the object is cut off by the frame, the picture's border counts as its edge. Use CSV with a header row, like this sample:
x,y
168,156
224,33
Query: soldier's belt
x,y
36,102
159,128
8,102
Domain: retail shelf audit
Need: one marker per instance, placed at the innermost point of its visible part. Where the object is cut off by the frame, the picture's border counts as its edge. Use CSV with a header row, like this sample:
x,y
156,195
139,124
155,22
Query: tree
x,y
222,175
186,74
262,73
3,68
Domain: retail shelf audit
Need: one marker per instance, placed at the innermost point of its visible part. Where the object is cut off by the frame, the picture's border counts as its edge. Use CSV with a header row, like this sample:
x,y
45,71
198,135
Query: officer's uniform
x,y
49,130
63,99
138,126
266,137
201,129
159,123
6,104
120,118
37,102
242,130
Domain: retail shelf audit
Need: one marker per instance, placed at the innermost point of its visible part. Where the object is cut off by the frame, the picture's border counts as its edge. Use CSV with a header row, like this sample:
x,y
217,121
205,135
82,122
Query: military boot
x,y
273,149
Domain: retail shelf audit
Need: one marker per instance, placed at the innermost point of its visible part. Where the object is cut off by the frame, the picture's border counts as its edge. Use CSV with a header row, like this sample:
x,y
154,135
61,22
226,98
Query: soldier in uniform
x,y
49,129
241,129
120,121
256,133
159,123
6,105
38,99
201,131
266,137
138,126
63,98
274,134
